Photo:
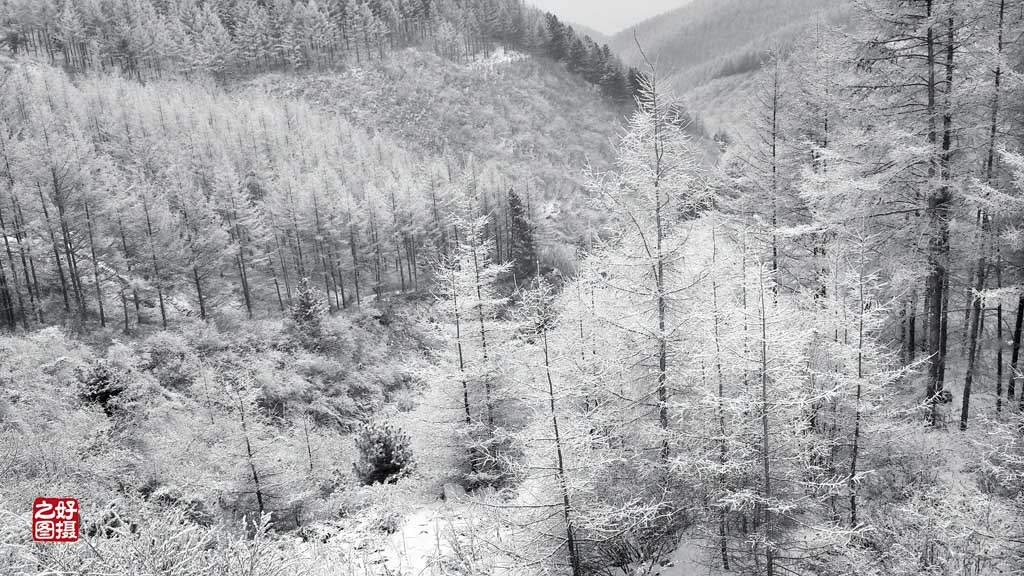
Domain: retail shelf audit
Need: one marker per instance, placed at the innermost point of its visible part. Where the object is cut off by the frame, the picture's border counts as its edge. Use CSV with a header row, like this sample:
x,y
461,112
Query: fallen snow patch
x,y
499,57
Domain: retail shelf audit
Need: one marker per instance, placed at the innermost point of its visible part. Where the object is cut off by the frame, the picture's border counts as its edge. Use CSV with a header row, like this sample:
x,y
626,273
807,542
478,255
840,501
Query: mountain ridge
x,y
716,46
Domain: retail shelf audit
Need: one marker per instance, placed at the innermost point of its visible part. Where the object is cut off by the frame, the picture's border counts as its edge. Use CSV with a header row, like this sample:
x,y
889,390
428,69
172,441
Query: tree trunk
x,y
855,449
320,253
25,248
6,299
280,300
56,251
989,165
926,321
723,450
936,245
309,448
659,274
769,553
199,292
946,195
156,267
243,270
243,274
912,329
124,309
336,277
1011,386
972,340
298,245
999,335
774,142
72,261
570,536
483,333
95,266
14,272
250,458
353,247
944,334
128,266
7,246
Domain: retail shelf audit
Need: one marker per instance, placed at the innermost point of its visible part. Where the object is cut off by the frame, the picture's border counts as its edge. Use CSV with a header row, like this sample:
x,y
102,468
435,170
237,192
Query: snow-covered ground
x,y
499,57
420,546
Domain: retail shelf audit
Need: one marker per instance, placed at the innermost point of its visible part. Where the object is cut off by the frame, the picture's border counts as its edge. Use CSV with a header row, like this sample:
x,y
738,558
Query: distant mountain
x,y
708,38
599,38
707,49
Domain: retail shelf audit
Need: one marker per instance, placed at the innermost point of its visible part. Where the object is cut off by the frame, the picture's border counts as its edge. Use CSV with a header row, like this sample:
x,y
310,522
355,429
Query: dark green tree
x,y
523,253
560,38
385,453
578,56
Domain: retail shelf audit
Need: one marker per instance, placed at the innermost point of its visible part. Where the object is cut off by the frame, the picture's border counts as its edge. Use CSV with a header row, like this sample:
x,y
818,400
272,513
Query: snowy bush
x,y
170,358
384,455
308,311
102,384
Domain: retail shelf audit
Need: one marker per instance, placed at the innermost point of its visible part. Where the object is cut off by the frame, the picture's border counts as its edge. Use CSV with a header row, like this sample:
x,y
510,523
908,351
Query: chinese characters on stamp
x,y
55,520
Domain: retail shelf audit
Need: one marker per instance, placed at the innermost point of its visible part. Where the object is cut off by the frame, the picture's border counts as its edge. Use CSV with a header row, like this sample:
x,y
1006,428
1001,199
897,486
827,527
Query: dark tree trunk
x,y
483,332
95,267
128,266
1011,386
156,267
570,536
999,335
284,267
769,552
972,343
855,449
26,251
938,238
14,274
56,251
353,247
989,166
199,292
250,458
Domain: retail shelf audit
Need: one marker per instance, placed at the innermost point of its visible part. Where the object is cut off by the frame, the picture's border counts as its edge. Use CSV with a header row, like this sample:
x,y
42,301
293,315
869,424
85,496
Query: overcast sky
x,y
608,16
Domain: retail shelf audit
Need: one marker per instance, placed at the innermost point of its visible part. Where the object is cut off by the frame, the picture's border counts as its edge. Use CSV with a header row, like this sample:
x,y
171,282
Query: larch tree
x,y
654,190
469,278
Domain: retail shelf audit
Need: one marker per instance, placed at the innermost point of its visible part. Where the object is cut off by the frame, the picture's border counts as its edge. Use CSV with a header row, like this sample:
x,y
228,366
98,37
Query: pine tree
x,y
559,39
308,311
385,455
213,50
523,252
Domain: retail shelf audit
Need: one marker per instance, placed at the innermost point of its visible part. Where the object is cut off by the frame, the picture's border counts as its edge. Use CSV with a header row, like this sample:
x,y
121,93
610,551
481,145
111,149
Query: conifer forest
x,y
469,288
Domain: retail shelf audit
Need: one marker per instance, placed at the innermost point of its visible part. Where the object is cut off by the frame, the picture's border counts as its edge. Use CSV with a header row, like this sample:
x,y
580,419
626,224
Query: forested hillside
x,y
225,38
384,146
708,39
710,49
411,298
220,222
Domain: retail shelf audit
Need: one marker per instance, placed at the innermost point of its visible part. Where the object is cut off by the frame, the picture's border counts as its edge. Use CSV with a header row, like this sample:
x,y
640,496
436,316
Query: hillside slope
x,y
528,122
709,49
506,107
258,248
706,38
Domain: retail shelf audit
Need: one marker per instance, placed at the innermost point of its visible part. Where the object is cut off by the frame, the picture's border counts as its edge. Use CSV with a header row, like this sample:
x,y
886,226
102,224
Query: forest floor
x,y
425,542
436,536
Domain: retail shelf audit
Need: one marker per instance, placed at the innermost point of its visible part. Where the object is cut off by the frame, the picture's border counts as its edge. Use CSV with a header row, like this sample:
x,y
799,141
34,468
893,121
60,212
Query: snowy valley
x,y
447,287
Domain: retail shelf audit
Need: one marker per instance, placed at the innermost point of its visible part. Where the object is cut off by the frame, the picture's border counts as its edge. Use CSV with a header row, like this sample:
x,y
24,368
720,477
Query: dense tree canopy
x,y
798,353
150,39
